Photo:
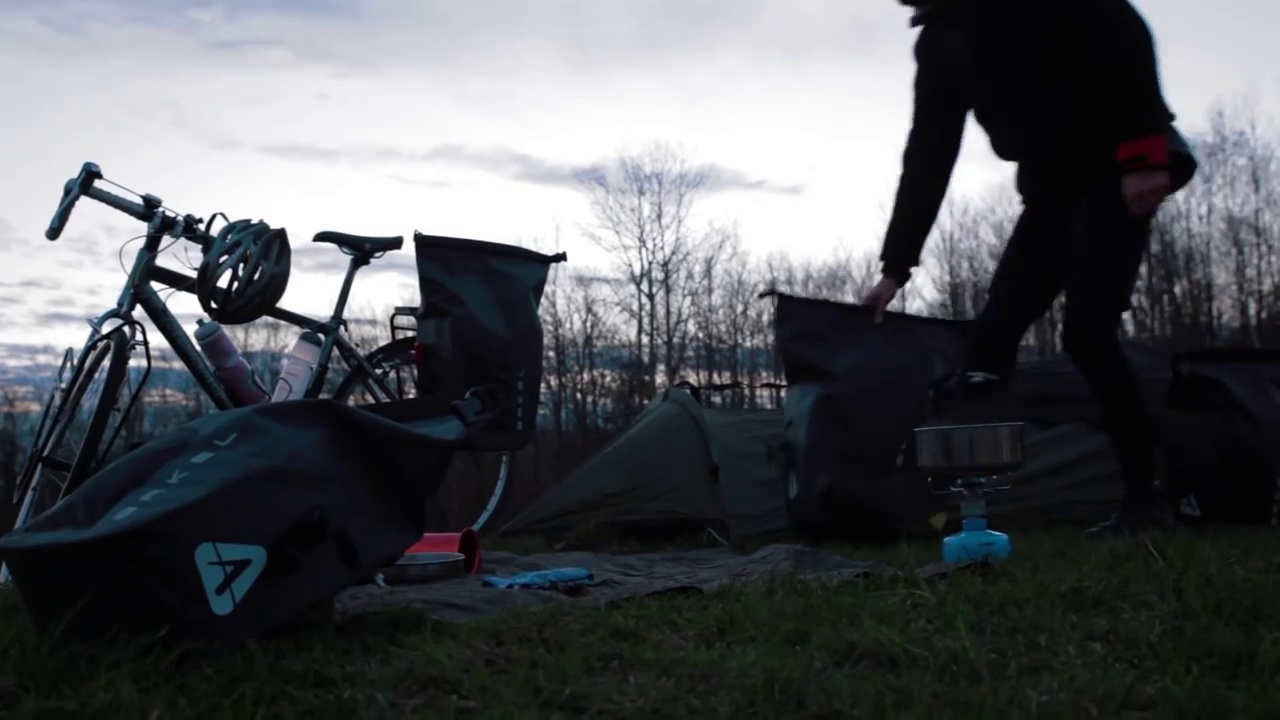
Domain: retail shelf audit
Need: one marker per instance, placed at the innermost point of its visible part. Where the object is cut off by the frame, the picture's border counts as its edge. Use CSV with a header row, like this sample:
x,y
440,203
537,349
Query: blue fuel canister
x,y
975,542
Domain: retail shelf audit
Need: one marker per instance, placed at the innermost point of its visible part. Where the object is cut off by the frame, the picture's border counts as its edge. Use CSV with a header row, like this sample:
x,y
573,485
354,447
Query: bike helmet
x,y
254,258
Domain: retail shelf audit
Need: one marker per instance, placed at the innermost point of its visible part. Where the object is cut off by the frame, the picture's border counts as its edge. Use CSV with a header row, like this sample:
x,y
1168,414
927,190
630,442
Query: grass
x,y
1185,627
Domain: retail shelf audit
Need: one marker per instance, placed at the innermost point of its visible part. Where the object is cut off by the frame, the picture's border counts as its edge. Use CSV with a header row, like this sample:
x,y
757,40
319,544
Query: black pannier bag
x,y
844,476
856,390
479,330
229,527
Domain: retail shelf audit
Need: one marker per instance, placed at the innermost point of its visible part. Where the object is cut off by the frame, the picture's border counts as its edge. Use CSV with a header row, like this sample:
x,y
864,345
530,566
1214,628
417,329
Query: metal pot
x,y
415,568
985,449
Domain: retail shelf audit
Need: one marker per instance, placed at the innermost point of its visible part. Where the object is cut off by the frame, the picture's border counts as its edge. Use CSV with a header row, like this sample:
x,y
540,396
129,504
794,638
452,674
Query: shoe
x,y
1135,522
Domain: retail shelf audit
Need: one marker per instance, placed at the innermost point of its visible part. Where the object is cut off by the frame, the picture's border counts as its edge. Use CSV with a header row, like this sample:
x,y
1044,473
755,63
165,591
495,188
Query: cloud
x,y
40,287
33,283
421,182
55,317
26,352
8,236
26,349
722,179
397,35
63,301
322,259
502,162
72,318
379,115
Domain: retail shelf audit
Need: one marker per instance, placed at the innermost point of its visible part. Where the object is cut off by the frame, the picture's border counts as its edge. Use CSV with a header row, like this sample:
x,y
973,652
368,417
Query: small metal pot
x,y
986,449
415,568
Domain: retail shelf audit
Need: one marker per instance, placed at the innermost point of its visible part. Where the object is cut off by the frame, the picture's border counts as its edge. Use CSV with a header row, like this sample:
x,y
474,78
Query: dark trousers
x,y
1089,247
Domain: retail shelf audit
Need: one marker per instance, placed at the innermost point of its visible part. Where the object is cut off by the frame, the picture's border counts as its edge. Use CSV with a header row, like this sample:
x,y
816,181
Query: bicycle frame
x,y
332,338
139,292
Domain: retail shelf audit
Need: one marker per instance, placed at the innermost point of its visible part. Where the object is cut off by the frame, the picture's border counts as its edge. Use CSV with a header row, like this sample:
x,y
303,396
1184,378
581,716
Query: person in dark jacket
x,y
1070,91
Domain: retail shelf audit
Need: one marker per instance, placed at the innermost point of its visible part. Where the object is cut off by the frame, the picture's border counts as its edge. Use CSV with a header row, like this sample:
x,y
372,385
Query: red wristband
x,y
1148,152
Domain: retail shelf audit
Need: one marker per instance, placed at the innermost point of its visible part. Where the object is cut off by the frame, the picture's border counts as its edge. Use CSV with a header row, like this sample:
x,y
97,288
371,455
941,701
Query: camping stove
x,y
971,461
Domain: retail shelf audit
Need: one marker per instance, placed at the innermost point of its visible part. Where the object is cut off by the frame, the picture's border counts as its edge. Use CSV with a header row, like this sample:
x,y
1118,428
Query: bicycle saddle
x,y
360,244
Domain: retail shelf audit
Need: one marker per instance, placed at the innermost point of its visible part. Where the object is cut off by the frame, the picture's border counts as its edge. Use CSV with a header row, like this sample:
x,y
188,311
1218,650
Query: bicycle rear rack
x,y
138,387
399,313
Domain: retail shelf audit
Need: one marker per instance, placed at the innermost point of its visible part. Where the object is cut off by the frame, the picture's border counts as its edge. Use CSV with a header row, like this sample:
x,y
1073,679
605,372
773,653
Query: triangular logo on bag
x,y
227,571
1189,506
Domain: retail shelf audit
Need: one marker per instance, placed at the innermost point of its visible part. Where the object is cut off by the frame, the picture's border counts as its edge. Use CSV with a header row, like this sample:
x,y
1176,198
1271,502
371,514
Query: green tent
x,y
684,465
680,465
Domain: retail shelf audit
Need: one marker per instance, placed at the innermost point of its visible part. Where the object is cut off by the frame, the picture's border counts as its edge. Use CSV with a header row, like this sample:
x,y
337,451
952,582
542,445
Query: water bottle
x,y
975,542
297,367
230,367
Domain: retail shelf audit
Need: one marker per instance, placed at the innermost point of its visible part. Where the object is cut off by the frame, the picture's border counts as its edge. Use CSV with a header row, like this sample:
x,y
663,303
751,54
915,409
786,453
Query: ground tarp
x,y
619,577
680,465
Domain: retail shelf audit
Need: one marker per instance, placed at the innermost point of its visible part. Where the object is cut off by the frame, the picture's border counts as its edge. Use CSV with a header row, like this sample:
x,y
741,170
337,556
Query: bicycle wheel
x,y
41,434
72,450
478,482
38,438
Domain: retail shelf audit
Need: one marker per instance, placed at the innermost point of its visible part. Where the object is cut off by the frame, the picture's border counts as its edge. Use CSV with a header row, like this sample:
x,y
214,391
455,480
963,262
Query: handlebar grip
x,y
71,192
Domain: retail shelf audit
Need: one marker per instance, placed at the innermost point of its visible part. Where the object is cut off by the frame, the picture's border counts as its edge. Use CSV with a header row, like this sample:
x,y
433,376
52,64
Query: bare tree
x,y
1211,274
961,256
13,444
641,206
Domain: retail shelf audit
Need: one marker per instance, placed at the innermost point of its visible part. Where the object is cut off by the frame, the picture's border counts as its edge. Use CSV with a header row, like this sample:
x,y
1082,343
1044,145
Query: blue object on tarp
x,y
543,579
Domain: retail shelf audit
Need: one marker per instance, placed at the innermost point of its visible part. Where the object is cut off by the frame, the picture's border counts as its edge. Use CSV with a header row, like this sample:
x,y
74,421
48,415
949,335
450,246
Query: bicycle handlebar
x,y
186,226
71,192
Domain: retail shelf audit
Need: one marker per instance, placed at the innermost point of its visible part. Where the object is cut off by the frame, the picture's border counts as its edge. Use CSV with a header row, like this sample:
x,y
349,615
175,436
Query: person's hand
x,y
1144,190
879,296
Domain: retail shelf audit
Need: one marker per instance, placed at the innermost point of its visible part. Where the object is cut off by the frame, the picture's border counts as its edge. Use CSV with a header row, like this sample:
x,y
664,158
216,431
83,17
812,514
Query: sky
x,y
383,117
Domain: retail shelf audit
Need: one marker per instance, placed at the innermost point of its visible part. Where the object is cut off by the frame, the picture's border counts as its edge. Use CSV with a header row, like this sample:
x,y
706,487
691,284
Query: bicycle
x,y
97,380
106,352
